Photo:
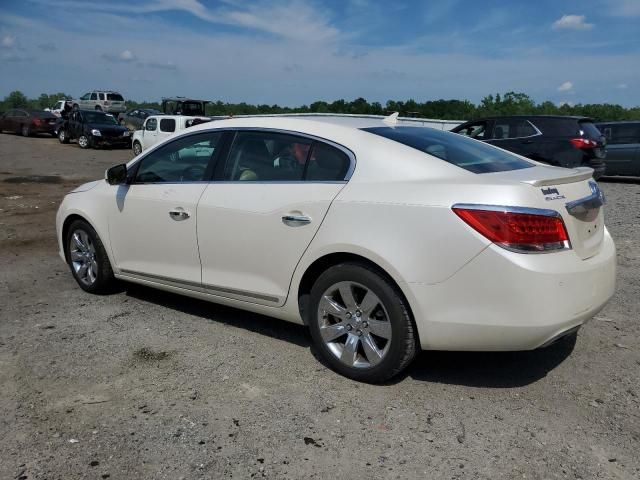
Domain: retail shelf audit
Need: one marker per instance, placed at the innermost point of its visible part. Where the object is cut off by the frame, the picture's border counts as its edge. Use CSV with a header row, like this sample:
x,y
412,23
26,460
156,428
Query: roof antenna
x,y
391,119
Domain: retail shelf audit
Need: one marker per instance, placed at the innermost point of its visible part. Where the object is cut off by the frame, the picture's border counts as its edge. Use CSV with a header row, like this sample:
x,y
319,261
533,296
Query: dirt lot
x,y
143,384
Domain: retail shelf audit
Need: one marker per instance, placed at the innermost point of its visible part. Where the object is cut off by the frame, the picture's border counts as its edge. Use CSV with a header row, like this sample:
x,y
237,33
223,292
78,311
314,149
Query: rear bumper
x,y
502,301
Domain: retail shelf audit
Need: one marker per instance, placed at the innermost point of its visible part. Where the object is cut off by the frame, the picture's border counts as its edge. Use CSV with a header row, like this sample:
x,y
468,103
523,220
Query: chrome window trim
x,y
537,134
345,150
199,287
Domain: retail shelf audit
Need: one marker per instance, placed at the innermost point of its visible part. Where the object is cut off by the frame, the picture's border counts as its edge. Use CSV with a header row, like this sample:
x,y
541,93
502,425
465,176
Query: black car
x,y
556,140
133,119
623,147
92,129
28,122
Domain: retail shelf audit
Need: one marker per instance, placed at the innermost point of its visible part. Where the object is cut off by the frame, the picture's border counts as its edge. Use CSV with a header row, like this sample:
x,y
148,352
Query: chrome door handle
x,y
296,220
179,214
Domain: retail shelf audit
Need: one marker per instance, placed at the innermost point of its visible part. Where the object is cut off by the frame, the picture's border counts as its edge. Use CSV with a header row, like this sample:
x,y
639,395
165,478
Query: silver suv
x,y
104,100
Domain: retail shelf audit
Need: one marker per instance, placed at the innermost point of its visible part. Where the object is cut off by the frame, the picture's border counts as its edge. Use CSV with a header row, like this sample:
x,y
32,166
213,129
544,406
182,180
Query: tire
x,y
87,259
371,336
84,141
98,108
62,136
26,131
137,148
75,107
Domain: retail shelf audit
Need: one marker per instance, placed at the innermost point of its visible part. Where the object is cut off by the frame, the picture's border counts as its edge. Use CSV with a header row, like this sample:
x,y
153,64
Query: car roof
x,y
496,117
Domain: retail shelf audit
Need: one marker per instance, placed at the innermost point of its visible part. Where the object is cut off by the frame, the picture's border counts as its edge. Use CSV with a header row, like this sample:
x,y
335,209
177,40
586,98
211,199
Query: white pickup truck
x,y
158,127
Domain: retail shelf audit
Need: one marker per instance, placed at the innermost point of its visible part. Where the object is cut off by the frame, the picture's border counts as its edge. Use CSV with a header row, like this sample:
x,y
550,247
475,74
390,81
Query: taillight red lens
x,y
583,143
37,122
517,231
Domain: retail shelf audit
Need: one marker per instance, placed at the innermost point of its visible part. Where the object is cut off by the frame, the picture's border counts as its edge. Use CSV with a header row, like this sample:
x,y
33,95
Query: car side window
x,y
327,164
151,125
168,125
101,96
623,133
513,128
183,160
477,130
94,96
267,156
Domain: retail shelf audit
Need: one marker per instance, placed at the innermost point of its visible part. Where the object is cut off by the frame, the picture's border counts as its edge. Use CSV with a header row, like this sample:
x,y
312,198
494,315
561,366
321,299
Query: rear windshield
x,y
192,108
99,118
472,155
116,97
590,130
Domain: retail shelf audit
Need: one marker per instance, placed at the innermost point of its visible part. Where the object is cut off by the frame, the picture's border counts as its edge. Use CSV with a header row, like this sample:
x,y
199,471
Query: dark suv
x,y
556,140
623,147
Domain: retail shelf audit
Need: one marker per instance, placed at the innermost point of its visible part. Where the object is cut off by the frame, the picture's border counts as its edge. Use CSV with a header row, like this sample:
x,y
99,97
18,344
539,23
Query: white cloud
x,y
565,102
126,56
622,86
8,41
572,22
565,87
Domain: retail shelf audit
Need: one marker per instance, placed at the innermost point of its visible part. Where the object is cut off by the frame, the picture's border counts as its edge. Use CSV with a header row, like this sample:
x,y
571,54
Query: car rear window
x,y
472,155
590,130
116,97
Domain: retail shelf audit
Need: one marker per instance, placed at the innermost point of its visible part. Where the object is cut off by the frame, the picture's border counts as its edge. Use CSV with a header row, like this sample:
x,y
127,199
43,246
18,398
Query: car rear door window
x,y
476,157
94,96
267,156
168,125
513,128
185,159
622,133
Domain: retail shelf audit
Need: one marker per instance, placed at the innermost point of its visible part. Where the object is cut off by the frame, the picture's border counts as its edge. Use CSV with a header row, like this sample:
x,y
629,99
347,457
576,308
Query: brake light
x,y
37,122
516,229
583,143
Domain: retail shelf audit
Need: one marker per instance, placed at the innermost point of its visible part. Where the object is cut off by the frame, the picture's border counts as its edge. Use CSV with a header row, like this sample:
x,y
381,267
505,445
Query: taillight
x,y
517,229
583,143
37,122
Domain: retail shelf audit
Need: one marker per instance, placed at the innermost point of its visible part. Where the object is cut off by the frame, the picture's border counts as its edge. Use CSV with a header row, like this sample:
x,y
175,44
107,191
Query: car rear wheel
x,y
88,259
137,148
83,141
360,323
62,136
26,131
98,108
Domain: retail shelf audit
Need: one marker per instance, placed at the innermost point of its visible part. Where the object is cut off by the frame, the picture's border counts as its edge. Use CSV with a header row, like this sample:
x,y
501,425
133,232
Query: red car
x,y
28,122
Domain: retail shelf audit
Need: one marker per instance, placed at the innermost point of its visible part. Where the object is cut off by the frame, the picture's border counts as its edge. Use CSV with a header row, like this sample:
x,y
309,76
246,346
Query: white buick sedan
x,y
383,239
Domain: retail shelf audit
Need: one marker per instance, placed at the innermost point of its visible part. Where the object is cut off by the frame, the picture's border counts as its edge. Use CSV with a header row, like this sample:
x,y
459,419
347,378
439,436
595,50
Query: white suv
x,y
158,127
104,100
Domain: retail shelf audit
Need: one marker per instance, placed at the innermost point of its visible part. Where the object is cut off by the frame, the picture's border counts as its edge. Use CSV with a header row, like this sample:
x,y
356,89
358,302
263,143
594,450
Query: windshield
x,y
99,118
472,155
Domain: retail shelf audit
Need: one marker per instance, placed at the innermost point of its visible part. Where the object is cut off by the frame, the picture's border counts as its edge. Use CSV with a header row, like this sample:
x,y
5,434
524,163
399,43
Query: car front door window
x,y
184,160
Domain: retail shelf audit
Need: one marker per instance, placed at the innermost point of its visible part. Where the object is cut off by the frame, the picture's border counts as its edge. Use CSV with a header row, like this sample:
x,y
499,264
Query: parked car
x,y
183,106
93,129
133,119
104,100
59,107
28,122
382,239
623,147
158,127
557,140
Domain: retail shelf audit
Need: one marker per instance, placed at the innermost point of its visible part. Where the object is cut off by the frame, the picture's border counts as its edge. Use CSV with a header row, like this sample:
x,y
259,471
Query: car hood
x,y
85,187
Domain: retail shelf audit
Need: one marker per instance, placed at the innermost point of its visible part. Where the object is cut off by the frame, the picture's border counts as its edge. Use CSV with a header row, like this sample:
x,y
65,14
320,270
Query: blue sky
x,y
292,52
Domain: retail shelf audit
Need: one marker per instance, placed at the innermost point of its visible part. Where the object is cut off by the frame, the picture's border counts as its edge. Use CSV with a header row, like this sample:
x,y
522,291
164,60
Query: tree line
x,y
510,103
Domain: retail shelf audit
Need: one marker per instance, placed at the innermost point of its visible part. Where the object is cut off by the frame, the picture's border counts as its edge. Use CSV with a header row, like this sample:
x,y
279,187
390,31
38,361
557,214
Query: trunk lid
x,y
574,195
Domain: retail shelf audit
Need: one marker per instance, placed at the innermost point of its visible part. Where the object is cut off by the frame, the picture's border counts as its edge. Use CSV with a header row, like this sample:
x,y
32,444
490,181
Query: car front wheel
x,y
88,259
26,131
137,148
83,141
361,324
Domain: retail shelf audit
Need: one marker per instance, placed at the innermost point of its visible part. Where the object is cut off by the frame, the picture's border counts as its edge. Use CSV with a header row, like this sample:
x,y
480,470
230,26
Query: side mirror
x,y
116,175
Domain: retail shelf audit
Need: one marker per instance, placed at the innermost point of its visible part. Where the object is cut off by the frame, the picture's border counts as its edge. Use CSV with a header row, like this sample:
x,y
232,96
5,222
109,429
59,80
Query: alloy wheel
x,y
354,324
83,141
82,253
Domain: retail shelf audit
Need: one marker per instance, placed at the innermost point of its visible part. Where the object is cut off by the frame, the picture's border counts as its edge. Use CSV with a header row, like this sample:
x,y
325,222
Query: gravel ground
x,y
144,384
